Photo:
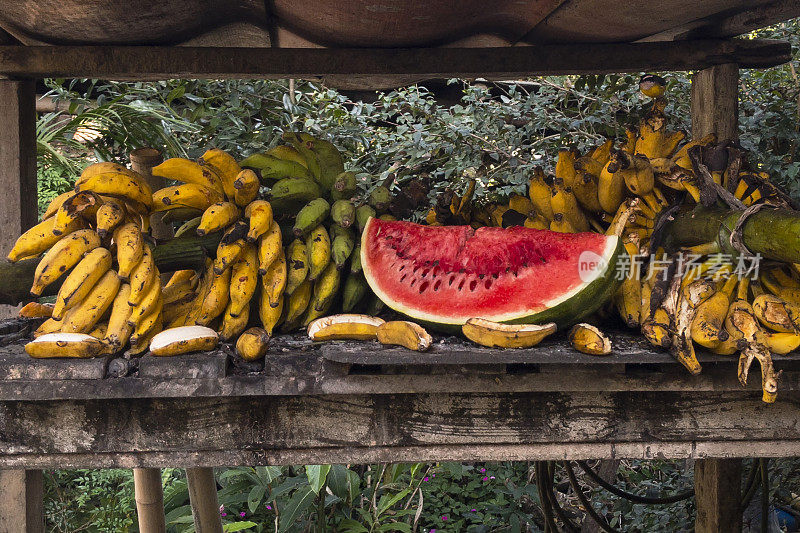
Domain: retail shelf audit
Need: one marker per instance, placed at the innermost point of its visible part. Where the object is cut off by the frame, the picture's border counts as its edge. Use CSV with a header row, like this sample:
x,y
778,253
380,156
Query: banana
x,y
325,288
82,317
83,204
180,276
496,335
64,254
233,325
520,204
537,222
540,193
587,339
274,280
182,340
119,331
230,247
602,153
585,189
109,216
104,167
217,216
343,212
246,186
99,331
311,216
363,214
128,186
253,344
51,325
297,265
189,172
186,195
344,187
776,314
150,301
561,224
178,310
297,303
354,290
380,198
141,344
782,343
707,327
130,248
260,216
342,245
215,299
56,203
143,276
328,157
657,329
36,310
269,247
225,167
276,168
681,157
40,238
181,213
355,261
406,334
312,163
565,166
283,151
295,191
610,187
270,316
588,165
81,280
564,202
345,327
628,297
75,345
244,280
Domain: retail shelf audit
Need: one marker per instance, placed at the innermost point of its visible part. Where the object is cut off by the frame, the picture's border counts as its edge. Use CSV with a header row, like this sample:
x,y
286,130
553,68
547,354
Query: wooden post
x,y
149,496
21,509
18,210
715,102
715,109
203,498
142,161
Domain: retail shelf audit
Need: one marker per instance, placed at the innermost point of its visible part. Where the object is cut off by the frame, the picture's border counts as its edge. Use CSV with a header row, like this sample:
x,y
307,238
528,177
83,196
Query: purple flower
x,y
491,477
434,475
223,514
485,478
444,518
483,470
221,508
269,507
473,510
425,478
242,514
433,530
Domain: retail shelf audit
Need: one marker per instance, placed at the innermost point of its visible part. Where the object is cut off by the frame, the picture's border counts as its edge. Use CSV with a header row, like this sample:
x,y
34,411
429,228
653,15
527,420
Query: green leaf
x,y
386,503
348,525
238,526
317,474
395,526
337,481
299,502
255,497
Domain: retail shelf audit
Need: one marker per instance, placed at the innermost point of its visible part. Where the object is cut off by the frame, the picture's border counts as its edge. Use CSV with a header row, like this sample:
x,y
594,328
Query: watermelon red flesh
x,y
449,274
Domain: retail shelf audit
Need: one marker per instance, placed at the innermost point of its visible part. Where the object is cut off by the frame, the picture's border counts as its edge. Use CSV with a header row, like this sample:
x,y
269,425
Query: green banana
x,y
355,262
355,287
344,188
380,198
342,245
328,157
374,306
311,216
343,212
274,168
364,213
296,190
305,150
189,225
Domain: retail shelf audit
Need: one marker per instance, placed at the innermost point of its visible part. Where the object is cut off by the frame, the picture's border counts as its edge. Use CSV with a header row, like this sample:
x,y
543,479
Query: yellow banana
x,y
656,329
539,192
187,171
561,224
151,323
230,247
81,280
537,222
496,335
74,345
218,216
36,310
588,339
226,168
109,216
297,303
150,301
269,247
246,187
83,204
119,331
253,344
776,314
233,325
83,317
143,276
406,334
182,340
610,189
128,185
343,327
586,191
274,279
270,316
215,299
565,166
64,254
259,214
130,248
325,288
297,265
707,327
602,153
186,195
40,238
244,280
56,203
563,201
782,343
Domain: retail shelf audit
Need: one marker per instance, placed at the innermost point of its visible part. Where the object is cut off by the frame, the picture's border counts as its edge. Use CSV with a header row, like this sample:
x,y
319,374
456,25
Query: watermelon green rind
x,y
564,309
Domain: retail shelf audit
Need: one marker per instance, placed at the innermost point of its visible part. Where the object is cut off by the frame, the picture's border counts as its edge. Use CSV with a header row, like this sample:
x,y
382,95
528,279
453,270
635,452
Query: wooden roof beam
x,y
399,65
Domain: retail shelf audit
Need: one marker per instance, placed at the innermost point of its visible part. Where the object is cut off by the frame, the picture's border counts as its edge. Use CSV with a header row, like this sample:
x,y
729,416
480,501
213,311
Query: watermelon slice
x,y
446,275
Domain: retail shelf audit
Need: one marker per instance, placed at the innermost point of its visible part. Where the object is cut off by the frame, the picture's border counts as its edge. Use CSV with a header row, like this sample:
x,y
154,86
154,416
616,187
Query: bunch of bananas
x,y
93,241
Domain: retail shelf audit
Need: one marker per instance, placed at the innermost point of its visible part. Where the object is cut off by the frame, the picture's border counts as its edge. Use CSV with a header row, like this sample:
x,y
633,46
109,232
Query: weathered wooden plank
x,y
148,62
202,365
18,210
718,506
408,427
715,102
21,505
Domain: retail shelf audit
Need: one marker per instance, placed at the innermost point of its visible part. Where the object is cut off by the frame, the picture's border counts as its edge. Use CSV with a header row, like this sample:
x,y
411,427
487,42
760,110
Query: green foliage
x,y
91,500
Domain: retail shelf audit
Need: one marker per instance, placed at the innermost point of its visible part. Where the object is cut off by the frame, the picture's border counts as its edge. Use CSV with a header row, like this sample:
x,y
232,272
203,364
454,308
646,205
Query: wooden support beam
x,y
403,65
142,161
18,207
21,509
715,102
714,109
203,498
149,495
716,486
